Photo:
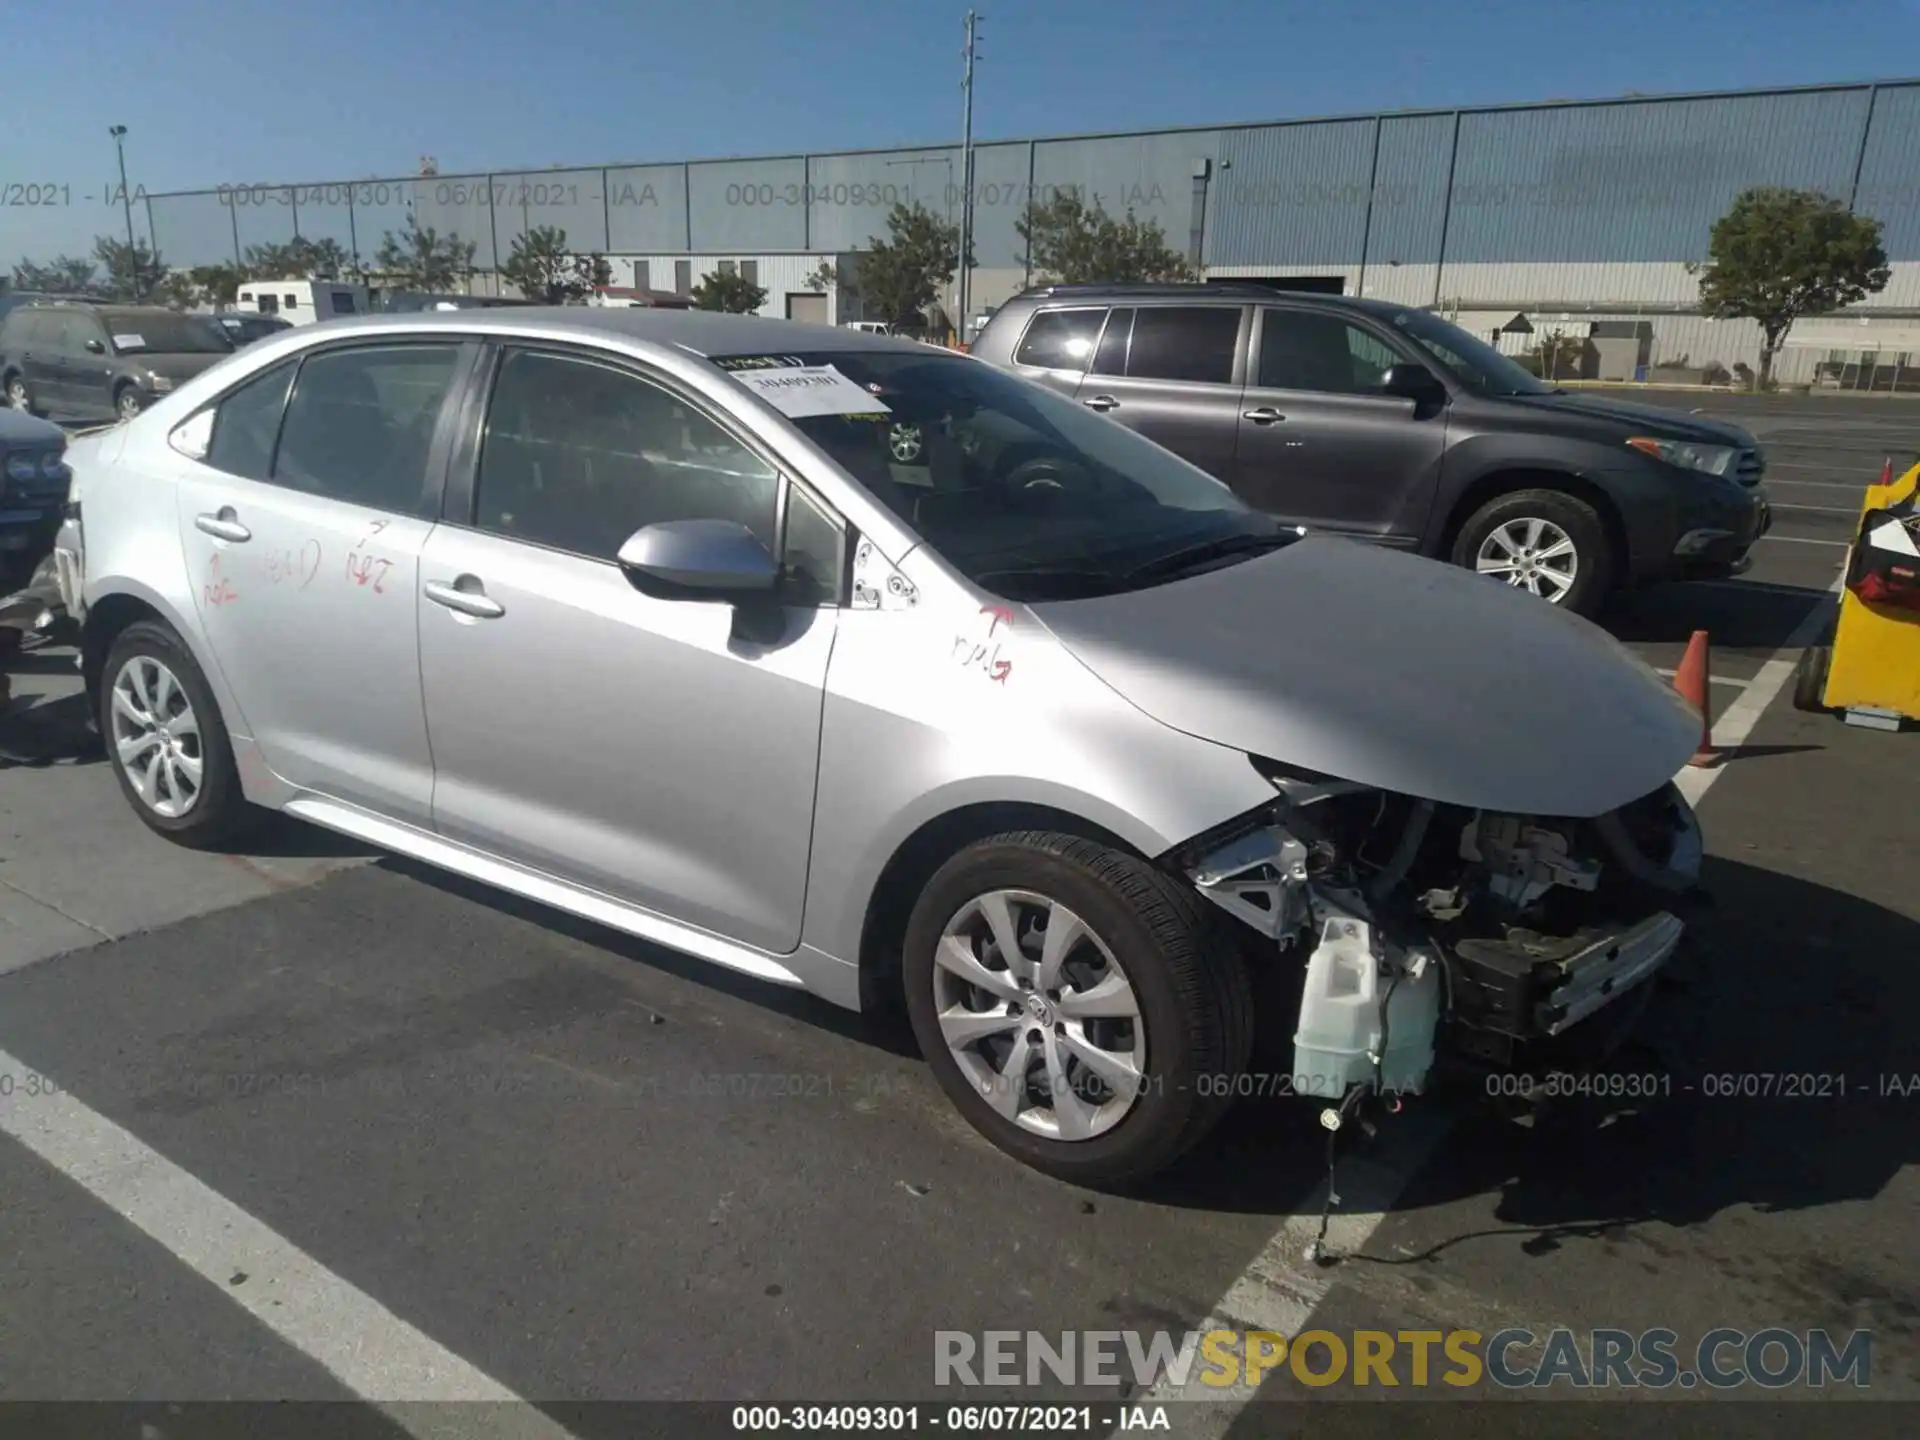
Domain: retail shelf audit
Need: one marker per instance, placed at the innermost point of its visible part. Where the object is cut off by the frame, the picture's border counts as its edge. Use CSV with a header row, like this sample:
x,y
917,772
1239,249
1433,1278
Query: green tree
x,y
902,275
420,258
544,269
1777,255
729,290
216,285
298,259
132,272
63,275
1070,244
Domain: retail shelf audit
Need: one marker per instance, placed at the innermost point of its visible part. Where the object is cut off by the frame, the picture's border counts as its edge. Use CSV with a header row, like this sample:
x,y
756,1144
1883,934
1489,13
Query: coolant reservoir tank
x,y
1341,1015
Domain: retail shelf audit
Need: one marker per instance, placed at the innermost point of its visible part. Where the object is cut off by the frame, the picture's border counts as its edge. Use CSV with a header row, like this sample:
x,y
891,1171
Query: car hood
x,y
1375,666
1661,423
19,428
176,367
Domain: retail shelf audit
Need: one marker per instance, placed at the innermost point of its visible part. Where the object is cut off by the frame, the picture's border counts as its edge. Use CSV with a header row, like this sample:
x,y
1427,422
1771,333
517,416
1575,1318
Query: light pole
x,y
119,133
966,177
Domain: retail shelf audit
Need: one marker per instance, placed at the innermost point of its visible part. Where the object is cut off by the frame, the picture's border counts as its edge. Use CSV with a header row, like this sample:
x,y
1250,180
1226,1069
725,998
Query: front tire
x,y
165,739
128,402
1076,1005
1546,542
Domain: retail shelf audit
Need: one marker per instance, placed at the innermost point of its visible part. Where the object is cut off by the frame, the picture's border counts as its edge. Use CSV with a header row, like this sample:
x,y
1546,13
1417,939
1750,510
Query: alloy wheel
x,y
129,404
906,443
156,737
1531,554
1039,1015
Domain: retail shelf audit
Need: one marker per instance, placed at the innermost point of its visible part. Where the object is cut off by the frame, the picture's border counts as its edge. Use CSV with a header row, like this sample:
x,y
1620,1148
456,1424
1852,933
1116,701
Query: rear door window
x,y
1061,339
247,422
361,422
1111,358
1184,342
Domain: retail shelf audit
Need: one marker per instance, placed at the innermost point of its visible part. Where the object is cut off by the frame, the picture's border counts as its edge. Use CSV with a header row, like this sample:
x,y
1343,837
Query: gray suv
x,y
91,362
1385,422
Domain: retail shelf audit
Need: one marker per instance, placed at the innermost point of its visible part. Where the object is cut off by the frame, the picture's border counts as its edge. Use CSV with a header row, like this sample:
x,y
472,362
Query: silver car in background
x,y
1038,731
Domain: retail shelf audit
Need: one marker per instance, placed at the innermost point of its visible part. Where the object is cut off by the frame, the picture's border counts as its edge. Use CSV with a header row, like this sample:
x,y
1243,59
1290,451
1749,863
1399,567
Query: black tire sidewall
x,y
1597,563
221,806
1810,680
1155,1130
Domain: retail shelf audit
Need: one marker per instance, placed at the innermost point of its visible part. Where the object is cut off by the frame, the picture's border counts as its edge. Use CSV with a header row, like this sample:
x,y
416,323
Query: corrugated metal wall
x,y
1595,204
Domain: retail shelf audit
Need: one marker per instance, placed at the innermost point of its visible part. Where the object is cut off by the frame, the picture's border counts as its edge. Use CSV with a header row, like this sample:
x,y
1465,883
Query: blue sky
x,y
221,92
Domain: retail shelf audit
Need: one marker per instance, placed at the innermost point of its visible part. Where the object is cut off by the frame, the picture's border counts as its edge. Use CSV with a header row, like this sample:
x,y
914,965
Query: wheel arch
x,y
914,860
110,614
1506,479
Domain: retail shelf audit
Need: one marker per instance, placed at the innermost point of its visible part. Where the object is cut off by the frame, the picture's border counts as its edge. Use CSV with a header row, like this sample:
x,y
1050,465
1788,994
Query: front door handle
x,y
466,596
1102,403
1265,415
223,525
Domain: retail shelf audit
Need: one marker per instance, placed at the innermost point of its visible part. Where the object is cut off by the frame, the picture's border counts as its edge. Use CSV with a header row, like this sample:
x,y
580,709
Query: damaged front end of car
x,y
1433,938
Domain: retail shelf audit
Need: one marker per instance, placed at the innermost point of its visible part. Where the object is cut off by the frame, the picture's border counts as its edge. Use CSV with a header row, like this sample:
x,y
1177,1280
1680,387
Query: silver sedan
x,y
1027,727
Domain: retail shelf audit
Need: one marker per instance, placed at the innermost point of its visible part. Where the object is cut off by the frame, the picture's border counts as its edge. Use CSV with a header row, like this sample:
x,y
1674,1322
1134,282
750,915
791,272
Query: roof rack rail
x,y
1154,288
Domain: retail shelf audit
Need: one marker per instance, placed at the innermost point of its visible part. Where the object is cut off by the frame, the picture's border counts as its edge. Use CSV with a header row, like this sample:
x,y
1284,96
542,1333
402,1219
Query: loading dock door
x,y
808,307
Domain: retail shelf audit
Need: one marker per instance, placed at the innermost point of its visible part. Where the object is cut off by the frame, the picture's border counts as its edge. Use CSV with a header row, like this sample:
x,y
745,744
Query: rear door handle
x,y
1101,402
223,525
472,601
1265,415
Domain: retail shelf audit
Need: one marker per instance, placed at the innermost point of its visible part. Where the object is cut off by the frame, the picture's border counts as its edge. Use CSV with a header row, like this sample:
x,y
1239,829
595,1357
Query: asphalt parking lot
x,y
330,1127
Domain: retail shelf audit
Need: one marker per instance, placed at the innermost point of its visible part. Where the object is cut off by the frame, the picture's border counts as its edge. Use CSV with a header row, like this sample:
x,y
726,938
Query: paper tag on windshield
x,y
803,390
130,342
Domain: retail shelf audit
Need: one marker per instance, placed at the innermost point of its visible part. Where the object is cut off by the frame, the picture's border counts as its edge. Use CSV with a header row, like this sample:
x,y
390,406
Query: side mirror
x,y
95,347
699,560
1413,382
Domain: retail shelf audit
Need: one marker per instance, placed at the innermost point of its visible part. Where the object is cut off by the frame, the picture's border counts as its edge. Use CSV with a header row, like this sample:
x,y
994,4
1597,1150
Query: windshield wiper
x,y
1166,567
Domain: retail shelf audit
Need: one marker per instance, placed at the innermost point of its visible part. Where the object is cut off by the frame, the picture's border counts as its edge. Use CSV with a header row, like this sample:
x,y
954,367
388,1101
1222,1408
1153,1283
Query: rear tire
x,y
1510,520
1189,1032
166,742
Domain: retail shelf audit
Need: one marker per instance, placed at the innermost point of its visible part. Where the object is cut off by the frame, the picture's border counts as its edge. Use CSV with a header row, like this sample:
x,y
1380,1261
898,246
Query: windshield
x,y
1474,362
161,332
1024,492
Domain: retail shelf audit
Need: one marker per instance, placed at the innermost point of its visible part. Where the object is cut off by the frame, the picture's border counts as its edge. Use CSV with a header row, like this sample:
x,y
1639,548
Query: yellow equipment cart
x,y
1870,674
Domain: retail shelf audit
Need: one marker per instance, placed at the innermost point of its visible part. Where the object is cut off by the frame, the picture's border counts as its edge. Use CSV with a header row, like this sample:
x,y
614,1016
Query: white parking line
x,y
1804,540
366,1347
1715,679
1823,509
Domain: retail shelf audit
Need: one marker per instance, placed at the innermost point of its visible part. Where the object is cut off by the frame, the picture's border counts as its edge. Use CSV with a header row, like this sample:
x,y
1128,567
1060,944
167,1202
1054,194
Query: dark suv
x,y
1386,423
87,362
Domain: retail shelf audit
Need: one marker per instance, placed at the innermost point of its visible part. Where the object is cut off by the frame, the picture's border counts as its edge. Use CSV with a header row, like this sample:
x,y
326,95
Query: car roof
x,y
698,332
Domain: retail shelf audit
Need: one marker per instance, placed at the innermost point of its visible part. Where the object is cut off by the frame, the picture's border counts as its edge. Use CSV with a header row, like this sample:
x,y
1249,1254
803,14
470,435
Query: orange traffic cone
x,y
1691,681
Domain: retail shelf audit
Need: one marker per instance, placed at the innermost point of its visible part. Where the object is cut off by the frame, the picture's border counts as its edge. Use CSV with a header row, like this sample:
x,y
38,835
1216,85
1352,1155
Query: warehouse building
x,y
1568,219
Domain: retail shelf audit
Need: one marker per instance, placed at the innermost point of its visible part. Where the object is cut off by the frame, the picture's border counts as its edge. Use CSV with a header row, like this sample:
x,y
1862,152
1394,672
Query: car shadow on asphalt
x,y
1760,618
883,1032
1791,1065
